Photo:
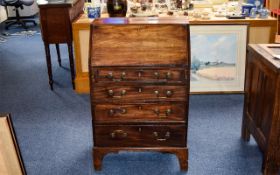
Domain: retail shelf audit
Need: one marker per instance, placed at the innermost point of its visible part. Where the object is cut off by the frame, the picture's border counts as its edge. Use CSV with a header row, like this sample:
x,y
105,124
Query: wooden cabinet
x,y
262,105
56,19
139,82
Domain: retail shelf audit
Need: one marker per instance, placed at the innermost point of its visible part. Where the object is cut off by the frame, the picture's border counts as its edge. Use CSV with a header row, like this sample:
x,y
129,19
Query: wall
x,y
3,15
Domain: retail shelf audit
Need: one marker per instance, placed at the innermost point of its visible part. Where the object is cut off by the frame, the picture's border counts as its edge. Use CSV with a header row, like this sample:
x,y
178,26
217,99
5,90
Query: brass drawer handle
x,y
111,93
123,111
123,75
111,112
156,74
118,134
169,93
123,92
168,112
110,75
114,111
168,75
166,136
157,93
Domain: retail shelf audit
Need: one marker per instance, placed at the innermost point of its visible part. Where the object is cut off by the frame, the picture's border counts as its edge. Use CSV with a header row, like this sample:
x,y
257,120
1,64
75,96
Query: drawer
x,y
138,93
140,112
140,135
141,75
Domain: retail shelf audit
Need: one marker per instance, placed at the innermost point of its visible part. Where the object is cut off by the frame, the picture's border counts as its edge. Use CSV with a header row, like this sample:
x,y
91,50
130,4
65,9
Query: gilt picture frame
x,y
218,57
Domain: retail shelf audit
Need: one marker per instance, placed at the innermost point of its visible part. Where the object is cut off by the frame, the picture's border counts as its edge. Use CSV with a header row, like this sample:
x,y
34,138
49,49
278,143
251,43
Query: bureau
x,y
139,84
261,116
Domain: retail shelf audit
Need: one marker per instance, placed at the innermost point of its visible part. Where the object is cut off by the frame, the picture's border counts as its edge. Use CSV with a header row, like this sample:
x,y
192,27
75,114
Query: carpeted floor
x,y
54,128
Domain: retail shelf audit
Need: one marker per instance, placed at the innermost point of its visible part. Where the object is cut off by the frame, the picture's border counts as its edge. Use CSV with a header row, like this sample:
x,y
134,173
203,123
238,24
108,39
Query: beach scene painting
x,y
217,61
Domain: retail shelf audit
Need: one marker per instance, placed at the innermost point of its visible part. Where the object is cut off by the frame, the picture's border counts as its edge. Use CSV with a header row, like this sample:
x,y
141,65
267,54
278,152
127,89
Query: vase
x,y
117,8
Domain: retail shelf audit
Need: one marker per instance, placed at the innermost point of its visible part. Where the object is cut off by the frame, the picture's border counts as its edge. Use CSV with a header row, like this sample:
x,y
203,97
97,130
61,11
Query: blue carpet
x,y
54,128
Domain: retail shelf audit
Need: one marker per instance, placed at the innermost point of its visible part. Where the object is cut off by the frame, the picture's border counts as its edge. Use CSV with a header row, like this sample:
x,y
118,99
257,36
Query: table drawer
x,y
139,93
144,75
140,112
140,135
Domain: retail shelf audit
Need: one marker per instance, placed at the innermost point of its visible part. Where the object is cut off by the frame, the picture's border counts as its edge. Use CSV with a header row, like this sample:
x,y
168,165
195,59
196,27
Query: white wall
x,y
26,11
3,15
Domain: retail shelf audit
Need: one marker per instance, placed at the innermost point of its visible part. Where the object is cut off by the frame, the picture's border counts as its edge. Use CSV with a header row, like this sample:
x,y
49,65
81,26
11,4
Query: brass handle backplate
x,y
166,136
169,93
123,75
110,75
168,75
115,111
118,134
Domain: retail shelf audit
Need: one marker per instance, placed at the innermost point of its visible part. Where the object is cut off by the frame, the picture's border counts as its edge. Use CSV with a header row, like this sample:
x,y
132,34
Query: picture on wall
x,y
218,55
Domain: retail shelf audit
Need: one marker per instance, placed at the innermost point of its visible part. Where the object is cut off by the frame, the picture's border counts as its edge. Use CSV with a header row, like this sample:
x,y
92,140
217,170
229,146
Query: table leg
x,y
49,64
58,54
71,60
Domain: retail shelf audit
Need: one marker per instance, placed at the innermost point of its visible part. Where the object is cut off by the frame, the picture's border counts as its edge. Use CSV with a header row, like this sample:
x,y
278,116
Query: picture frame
x,y
218,57
11,162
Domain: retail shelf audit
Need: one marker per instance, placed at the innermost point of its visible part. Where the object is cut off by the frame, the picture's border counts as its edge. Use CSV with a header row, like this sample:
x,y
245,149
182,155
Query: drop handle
x,y
118,134
166,136
110,93
169,93
168,75
123,75
110,75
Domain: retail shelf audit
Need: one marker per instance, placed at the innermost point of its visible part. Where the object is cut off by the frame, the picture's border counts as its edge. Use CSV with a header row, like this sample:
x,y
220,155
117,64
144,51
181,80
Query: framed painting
x,y
218,56
11,162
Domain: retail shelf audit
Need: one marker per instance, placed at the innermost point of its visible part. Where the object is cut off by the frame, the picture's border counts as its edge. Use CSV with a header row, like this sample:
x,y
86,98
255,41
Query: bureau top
x,y
269,52
141,20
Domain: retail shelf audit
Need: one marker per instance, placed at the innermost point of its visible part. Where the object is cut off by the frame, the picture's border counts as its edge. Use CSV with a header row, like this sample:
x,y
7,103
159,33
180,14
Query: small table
x,y
56,25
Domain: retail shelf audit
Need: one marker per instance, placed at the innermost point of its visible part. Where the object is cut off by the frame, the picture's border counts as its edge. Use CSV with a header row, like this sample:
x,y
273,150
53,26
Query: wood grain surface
x,y
139,45
105,113
261,117
140,135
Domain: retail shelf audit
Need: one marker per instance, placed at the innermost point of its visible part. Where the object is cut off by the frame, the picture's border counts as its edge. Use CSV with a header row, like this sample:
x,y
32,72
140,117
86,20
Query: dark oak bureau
x,y
139,82
261,116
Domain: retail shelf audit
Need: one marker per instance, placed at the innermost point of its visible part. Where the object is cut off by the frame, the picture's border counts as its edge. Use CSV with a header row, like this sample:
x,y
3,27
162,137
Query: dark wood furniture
x,y
139,76
56,19
262,106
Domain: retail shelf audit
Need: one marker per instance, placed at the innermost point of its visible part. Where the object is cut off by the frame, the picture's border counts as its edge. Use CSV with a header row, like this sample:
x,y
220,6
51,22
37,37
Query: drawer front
x,y
140,112
140,135
142,75
139,93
